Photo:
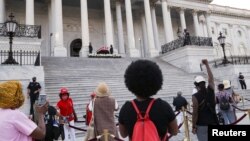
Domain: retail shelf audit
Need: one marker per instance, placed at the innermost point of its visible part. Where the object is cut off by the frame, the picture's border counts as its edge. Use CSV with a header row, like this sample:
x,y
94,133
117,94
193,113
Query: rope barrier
x,y
179,126
77,128
243,110
247,99
238,120
177,113
189,112
80,121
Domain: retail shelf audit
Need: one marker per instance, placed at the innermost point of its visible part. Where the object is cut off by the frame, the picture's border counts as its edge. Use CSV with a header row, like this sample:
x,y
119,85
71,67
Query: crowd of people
x,y
143,78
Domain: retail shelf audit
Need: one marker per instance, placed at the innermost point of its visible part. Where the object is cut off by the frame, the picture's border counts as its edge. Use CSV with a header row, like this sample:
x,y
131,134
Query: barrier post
x,y
185,118
106,134
242,98
248,111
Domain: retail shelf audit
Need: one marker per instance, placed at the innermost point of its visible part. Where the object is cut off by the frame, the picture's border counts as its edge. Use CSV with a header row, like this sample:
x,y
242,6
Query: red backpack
x,y
144,128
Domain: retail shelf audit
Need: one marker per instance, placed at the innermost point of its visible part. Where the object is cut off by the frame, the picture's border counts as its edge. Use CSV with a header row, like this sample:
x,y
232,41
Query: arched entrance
x,y
75,47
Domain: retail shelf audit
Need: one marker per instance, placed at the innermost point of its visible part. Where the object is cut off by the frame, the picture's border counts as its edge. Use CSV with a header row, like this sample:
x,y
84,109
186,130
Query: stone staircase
x,y
82,75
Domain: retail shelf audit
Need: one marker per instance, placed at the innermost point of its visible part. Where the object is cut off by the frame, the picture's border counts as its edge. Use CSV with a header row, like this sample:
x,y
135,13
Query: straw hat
x,y
226,84
102,90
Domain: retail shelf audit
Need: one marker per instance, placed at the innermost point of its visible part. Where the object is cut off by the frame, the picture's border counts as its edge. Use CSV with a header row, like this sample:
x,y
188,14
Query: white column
x,y
130,30
248,38
183,20
30,12
50,34
169,36
209,32
153,52
155,28
85,28
145,37
205,29
59,49
234,46
108,23
196,23
120,27
2,11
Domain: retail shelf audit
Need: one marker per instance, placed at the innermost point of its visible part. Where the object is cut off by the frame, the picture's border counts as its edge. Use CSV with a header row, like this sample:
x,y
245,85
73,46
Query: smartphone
x,y
42,99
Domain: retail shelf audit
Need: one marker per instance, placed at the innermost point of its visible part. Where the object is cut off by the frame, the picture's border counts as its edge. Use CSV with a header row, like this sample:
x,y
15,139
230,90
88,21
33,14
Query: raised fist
x,y
204,61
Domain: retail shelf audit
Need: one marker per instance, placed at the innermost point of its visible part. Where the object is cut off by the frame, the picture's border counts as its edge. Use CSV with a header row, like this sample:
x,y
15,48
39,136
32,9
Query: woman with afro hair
x,y
144,79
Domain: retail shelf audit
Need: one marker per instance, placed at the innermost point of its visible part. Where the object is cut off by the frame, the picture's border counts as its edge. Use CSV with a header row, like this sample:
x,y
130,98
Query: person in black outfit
x,y
90,48
144,79
242,81
111,50
180,101
204,103
33,93
187,40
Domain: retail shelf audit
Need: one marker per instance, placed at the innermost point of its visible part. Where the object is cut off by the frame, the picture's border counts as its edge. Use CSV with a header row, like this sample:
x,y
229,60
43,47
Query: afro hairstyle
x,y
143,78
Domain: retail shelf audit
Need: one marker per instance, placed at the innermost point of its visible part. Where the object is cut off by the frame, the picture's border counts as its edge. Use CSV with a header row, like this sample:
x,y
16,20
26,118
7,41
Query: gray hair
x,y
179,93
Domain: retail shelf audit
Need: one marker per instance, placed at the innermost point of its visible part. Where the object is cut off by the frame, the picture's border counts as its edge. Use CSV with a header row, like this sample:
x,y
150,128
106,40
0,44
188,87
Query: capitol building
x,y
135,28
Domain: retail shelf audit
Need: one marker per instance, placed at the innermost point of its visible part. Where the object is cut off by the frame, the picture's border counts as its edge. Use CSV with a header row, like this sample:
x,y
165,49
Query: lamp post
x,y
222,43
11,26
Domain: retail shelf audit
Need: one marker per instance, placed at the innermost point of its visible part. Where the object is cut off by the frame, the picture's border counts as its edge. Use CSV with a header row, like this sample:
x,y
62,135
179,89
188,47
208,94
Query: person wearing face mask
x,y
204,103
33,90
66,110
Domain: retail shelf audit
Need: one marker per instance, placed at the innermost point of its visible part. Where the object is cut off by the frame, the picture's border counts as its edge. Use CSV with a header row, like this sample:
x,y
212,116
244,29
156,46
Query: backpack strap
x,y
148,109
136,109
150,106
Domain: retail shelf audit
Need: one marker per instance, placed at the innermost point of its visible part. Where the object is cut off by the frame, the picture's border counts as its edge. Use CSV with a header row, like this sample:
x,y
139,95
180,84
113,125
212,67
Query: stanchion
x,y
106,134
185,118
248,112
242,98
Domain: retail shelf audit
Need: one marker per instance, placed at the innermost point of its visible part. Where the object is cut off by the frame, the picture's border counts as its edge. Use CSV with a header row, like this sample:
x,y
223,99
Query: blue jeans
x,y
202,133
228,116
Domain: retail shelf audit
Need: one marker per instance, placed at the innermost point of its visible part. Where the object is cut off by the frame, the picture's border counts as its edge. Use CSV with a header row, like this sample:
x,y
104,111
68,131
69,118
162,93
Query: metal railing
x,y
22,57
183,41
33,31
232,60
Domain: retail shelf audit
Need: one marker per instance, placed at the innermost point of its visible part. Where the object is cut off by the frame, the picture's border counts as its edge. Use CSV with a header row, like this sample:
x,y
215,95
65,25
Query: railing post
x,y
248,112
21,57
187,136
106,134
243,101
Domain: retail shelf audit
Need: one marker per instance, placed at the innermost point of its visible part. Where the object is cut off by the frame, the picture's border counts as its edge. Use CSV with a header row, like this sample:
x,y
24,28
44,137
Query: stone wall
x,y
188,58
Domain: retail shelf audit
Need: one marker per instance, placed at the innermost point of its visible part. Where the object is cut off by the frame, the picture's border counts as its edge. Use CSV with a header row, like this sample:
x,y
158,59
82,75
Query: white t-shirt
x,y
15,126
